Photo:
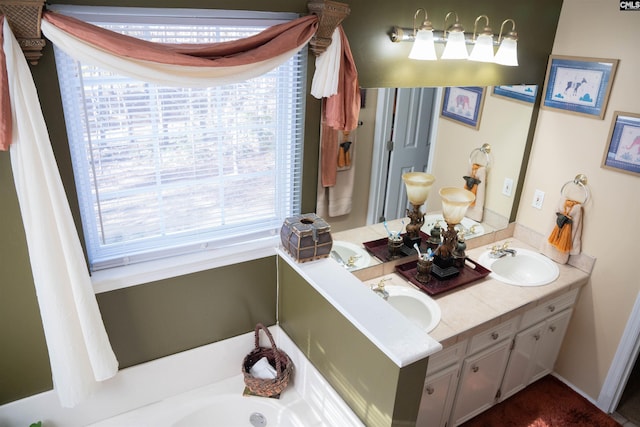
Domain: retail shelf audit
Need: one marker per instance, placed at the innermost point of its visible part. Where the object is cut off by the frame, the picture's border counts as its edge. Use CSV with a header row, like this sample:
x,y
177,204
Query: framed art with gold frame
x,y
579,85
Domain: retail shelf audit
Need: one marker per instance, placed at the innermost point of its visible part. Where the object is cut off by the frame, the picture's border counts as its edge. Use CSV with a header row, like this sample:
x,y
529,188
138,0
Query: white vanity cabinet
x,y
536,348
468,378
482,371
440,386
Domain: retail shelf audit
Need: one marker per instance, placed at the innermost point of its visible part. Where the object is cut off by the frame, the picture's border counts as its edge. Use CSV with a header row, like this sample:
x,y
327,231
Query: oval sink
x,y
351,256
415,306
469,227
527,268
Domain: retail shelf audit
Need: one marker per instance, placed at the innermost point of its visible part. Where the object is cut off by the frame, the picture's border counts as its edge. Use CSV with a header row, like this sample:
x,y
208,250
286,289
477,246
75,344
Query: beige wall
x,y
503,124
566,145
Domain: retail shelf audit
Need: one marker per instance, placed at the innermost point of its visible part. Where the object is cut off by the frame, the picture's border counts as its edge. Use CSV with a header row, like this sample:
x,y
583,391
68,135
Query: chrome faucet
x,y
380,290
498,251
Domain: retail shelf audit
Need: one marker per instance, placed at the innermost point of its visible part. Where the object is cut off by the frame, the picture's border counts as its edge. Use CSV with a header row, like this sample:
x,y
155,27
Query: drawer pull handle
x,y
494,336
552,328
552,308
536,337
475,369
430,390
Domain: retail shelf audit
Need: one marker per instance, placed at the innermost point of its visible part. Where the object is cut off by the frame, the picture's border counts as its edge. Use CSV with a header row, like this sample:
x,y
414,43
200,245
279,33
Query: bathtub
x,y
195,388
222,404
308,401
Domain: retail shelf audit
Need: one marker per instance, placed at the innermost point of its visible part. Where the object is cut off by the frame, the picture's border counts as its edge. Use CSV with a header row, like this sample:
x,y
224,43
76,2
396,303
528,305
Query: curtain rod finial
x,y
330,15
24,19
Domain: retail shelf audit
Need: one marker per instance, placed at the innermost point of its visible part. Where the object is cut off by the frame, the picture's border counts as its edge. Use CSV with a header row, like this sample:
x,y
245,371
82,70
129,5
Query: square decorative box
x,y
306,237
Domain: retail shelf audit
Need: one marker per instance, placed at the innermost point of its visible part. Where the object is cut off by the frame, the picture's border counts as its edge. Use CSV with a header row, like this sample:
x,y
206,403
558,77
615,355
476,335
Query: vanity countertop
x,y
488,302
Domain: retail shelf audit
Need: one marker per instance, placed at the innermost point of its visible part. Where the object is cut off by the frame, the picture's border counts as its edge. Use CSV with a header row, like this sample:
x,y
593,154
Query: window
x,y
162,171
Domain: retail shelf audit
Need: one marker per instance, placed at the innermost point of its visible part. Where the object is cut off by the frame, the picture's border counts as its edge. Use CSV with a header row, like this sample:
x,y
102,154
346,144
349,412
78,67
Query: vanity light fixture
x,y
453,37
456,47
424,47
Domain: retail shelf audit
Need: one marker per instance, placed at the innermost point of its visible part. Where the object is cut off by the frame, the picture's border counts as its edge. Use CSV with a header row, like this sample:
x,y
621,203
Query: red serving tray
x,y
379,249
435,286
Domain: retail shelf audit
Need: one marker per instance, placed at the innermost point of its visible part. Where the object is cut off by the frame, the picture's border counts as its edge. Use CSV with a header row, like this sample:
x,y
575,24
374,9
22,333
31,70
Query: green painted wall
x,y
165,317
153,320
362,374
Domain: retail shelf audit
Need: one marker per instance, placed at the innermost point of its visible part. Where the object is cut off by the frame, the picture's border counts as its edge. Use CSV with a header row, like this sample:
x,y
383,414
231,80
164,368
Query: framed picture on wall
x,y
623,148
523,93
579,85
463,105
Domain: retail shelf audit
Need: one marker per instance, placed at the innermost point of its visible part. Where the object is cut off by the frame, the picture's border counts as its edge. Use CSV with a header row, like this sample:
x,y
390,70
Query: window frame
x,y
228,253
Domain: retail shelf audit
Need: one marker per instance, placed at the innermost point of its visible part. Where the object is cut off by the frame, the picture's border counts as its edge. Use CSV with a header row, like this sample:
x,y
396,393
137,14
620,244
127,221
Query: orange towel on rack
x,y
338,200
565,238
477,185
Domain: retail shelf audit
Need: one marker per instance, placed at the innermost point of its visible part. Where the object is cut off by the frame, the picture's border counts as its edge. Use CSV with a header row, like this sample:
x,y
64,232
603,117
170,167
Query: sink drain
x,y
258,420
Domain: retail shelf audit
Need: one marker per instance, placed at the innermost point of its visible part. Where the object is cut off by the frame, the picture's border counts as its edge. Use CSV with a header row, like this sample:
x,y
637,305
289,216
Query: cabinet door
x,y
520,365
480,379
549,345
437,398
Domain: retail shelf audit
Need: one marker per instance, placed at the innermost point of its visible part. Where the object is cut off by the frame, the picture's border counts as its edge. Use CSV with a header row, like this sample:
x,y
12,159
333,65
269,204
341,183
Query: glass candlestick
x,y
418,185
455,202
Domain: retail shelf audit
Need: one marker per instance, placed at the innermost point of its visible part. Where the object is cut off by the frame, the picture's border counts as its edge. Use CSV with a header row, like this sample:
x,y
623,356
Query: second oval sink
x,y
526,268
415,305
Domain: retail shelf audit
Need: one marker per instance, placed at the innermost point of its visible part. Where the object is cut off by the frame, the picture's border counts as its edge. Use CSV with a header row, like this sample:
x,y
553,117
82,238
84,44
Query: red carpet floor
x,y
546,403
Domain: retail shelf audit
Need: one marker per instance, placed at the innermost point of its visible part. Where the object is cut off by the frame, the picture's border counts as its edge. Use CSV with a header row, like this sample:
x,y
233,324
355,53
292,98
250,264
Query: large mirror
x,y
408,115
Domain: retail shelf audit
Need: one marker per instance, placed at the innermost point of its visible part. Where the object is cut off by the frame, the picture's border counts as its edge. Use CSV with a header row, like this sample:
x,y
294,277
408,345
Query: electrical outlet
x,y
507,187
538,198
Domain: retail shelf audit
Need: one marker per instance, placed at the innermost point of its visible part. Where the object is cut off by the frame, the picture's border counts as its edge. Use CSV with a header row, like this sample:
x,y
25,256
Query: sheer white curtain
x,y
79,349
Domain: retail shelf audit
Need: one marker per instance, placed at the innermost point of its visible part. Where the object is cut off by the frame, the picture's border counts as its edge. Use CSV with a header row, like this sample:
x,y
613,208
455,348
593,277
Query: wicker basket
x,y
276,357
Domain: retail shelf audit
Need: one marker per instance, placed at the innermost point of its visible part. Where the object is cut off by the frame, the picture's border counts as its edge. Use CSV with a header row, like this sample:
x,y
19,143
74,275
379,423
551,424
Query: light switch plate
x,y
538,198
507,187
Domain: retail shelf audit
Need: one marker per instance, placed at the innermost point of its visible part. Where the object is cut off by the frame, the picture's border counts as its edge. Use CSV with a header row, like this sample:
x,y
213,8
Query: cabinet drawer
x,y
446,357
493,335
549,308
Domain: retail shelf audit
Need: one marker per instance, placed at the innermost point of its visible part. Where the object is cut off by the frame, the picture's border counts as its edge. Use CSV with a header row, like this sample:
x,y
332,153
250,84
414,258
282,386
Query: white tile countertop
x,y
488,302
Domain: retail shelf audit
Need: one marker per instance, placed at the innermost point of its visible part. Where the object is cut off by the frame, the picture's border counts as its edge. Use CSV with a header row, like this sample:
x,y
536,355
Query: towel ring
x,y
581,181
485,149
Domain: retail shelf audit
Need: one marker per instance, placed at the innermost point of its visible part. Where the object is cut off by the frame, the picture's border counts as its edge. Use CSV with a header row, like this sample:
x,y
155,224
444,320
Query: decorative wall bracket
x,y
330,15
24,19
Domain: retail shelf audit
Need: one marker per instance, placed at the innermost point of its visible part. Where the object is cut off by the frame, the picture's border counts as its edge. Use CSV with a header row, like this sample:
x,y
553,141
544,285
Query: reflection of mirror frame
x,y
521,93
463,105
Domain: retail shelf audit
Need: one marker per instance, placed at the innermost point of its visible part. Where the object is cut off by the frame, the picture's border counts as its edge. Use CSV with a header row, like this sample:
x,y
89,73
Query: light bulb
x,y
483,49
455,47
423,47
507,52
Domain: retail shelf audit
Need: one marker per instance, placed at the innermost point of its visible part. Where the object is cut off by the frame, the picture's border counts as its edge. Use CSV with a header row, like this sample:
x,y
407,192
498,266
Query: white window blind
x,y
162,171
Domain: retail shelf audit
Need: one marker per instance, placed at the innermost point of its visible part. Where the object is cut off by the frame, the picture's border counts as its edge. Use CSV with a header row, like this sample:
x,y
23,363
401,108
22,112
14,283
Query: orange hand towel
x,y
478,173
565,238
